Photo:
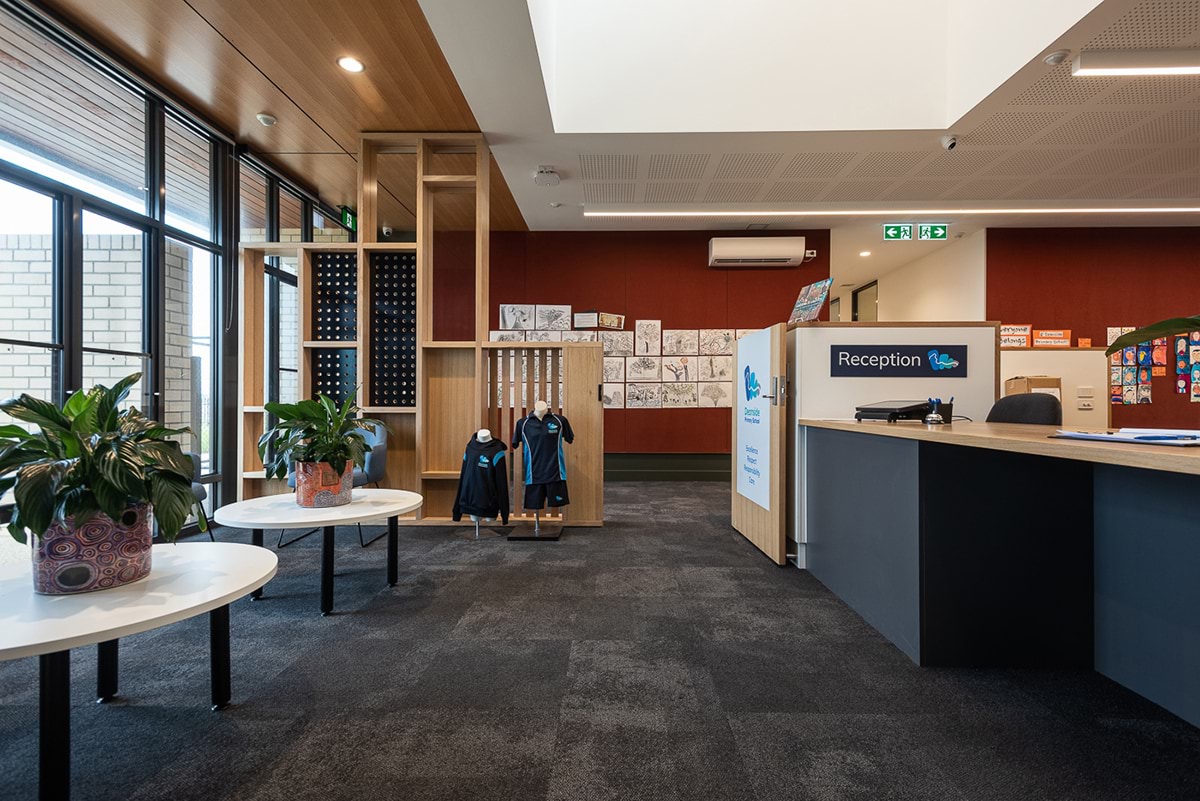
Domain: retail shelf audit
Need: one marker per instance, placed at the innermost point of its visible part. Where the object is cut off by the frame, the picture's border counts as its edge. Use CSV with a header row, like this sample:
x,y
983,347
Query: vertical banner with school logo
x,y
753,459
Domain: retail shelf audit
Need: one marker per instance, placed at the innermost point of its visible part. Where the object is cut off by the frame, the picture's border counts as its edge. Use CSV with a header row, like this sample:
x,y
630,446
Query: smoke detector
x,y
266,119
1057,57
546,176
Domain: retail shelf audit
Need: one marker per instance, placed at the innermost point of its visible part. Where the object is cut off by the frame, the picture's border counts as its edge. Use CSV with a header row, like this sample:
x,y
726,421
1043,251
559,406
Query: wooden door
x,y
761,395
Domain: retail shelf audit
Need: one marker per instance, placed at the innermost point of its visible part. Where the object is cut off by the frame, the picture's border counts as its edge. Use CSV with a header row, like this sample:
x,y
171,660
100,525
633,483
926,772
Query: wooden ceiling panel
x,y
232,60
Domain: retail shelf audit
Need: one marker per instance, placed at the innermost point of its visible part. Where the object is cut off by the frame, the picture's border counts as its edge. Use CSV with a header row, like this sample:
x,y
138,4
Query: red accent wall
x,y
654,275
1088,279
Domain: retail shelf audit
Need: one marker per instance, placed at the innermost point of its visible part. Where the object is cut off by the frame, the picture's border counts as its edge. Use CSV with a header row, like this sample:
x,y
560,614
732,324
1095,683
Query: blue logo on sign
x,y
753,390
941,361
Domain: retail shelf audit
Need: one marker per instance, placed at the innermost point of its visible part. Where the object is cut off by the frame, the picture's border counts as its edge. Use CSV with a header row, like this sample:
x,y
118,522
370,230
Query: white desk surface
x,y
281,511
186,579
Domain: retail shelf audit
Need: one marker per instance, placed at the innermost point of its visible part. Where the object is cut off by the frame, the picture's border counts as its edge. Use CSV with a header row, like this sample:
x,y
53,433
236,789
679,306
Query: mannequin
x,y
482,435
542,434
540,408
482,482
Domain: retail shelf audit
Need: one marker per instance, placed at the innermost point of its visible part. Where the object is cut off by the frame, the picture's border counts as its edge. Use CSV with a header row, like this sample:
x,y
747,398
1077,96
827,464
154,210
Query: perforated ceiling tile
x,y
602,167
677,166
1058,88
984,188
959,163
1011,127
1045,189
1093,127
1153,23
747,165
923,190
683,192
1098,163
1031,162
816,165
888,164
1183,188
733,192
609,193
795,191
1169,161
858,190
1170,128
1159,90
1118,187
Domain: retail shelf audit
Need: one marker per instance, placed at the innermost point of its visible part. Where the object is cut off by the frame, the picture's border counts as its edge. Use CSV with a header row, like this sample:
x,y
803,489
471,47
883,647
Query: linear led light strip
x,y
1136,62
898,213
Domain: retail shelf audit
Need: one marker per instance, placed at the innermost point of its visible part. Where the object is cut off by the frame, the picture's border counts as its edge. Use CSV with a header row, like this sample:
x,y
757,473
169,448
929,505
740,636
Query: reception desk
x,y
992,545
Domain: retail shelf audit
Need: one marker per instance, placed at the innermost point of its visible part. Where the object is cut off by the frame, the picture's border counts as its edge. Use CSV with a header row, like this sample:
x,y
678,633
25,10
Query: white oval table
x,y
281,511
186,579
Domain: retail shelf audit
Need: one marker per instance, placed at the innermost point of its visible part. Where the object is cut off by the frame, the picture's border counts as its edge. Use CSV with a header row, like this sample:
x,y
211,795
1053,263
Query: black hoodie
x,y
483,482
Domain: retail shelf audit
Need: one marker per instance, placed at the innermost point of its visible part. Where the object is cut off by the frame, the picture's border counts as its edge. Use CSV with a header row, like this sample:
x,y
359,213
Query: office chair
x,y
372,472
1035,408
201,493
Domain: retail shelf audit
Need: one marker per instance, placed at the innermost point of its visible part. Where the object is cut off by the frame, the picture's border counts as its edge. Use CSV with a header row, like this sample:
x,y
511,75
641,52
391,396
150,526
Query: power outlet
x,y
1085,405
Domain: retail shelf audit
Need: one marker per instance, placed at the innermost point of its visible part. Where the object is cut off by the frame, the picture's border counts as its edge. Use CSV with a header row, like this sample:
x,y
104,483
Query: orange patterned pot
x,y
318,485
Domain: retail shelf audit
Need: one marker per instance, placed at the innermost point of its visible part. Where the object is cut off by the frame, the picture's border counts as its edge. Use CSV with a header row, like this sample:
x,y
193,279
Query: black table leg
x,y
256,538
327,570
392,546
54,721
218,643
106,671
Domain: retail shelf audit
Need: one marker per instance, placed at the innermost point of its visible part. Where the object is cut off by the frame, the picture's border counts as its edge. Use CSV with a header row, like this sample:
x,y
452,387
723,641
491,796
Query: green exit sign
x,y
932,231
895,232
349,219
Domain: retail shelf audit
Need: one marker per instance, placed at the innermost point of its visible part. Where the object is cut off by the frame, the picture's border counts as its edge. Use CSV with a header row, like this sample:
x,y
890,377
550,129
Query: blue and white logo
x,y
941,361
753,390
552,427
483,462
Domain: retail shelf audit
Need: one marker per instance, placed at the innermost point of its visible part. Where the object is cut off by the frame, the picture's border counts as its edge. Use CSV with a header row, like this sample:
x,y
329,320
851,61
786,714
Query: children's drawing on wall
x,y
516,316
680,342
679,396
648,340
716,395
614,396
506,336
614,370
642,368
617,343
716,341
643,396
678,368
716,368
553,318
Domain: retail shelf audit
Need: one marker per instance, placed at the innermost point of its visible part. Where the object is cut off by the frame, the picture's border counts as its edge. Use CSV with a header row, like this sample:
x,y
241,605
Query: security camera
x,y
387,230
949,142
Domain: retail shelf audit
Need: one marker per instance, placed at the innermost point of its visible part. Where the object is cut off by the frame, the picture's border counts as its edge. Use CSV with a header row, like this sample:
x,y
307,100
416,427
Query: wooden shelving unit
x,y
455,385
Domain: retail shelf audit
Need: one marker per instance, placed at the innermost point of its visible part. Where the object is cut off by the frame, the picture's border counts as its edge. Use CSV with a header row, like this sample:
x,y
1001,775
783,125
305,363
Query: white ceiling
x,y
1042,138
782,65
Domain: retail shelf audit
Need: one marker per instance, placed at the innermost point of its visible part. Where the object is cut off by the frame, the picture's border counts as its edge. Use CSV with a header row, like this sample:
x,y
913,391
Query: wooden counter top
x,y
1028,439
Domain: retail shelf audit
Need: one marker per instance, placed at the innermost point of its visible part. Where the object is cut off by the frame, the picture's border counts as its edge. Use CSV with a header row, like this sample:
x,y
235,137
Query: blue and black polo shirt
x,y
543,440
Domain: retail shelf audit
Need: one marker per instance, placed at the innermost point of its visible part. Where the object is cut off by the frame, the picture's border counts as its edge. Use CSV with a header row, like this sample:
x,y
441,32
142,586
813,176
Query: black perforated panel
x,y
393,329
335,373
335,288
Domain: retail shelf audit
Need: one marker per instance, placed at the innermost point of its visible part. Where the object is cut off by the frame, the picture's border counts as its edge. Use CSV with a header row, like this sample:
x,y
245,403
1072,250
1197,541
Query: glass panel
x,y
26,264
27,369
289,344
109,368
113,303
188,355
252,193
62,118
188,178
290,226
866,304
327,229
835,310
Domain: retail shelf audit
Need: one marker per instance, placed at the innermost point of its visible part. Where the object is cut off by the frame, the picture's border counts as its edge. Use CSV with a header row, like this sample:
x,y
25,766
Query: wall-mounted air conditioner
x,y
756,251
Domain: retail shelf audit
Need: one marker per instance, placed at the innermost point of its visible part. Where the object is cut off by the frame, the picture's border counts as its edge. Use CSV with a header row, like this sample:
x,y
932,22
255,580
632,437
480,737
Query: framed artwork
x,y
516,316
611,321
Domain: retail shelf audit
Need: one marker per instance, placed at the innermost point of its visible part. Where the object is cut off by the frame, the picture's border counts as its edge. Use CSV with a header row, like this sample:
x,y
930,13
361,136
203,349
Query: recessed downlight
x,y
865,253
350,64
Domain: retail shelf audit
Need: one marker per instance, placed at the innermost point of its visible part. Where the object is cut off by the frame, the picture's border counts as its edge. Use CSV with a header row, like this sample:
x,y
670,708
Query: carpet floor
x,y
661,657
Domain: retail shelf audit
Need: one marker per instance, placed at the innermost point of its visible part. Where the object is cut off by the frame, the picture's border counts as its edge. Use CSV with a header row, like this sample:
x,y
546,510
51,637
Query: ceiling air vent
x,y
766,251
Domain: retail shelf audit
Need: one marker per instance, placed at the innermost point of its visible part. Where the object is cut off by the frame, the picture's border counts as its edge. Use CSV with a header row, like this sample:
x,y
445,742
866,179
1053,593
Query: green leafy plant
x,y
1163,328
90,458
314,431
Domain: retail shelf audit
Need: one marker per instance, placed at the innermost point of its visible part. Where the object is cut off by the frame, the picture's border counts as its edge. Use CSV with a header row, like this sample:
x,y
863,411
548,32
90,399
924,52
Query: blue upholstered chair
x,y
372,472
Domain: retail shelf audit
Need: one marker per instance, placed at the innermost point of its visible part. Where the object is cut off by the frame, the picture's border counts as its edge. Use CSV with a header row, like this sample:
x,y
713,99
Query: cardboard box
x,y
1021,385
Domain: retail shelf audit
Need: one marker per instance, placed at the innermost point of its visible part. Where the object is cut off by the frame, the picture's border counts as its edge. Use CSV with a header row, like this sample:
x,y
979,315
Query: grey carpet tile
x,y
660,657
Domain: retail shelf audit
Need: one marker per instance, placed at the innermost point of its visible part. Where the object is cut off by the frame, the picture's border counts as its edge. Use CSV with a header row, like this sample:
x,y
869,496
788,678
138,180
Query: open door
x,y
760,440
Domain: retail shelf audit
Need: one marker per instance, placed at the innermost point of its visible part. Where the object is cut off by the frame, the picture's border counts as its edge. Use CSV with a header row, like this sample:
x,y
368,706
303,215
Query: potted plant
x,y
86,484
323,441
